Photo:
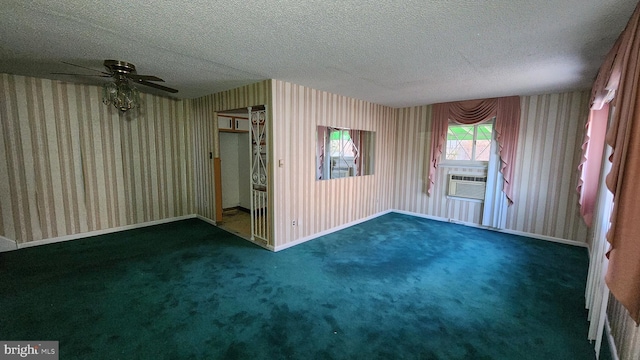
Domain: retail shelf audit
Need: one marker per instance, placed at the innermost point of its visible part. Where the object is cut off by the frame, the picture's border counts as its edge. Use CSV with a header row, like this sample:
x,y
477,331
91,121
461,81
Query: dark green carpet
x,y
391,288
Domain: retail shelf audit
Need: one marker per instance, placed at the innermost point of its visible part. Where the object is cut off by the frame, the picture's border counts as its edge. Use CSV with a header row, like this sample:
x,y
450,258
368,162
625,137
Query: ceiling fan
x,y
121,92
121,70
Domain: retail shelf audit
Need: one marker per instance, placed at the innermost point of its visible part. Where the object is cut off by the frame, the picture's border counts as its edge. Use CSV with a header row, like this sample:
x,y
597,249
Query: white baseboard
x,y
436,218
7,244
544,237
610,339
103,232
506,231
430,217
329,231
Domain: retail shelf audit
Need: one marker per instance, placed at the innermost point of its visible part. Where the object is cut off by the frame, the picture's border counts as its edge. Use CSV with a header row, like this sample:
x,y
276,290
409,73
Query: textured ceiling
x,y
396,53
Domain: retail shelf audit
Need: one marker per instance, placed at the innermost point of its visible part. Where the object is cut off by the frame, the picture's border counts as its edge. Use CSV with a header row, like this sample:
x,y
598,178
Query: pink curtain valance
x,y
472,111
506,110
607,79
602,92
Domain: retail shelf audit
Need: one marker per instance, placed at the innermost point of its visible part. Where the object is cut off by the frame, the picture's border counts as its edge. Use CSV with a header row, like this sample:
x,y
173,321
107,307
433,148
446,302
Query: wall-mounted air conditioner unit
x,y
465,186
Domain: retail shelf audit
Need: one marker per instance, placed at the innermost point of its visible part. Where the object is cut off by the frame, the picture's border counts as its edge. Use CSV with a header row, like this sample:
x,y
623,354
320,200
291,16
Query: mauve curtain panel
x,y
506,110
621,73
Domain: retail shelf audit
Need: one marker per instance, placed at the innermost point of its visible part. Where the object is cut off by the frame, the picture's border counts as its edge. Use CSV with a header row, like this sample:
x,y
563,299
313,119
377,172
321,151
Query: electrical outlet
x,y
294,223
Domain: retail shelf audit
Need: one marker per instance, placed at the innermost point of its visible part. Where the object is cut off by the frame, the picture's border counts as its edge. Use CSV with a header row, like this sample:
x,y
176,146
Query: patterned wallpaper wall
x,y
205,136
69,164
549,150
294,112
551,133
73,165
412,159
624,331
318,206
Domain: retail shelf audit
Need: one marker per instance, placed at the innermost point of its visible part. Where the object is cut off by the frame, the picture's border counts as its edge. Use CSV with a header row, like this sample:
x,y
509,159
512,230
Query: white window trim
x,y
464,164
444,162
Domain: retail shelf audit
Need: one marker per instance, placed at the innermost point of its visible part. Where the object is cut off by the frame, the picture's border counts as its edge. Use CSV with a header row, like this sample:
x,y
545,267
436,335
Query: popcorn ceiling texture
x,y
391,53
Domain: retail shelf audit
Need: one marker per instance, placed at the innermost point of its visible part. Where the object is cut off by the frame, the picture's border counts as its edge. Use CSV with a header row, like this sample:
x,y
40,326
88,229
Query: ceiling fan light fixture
x,y
122,94
121,91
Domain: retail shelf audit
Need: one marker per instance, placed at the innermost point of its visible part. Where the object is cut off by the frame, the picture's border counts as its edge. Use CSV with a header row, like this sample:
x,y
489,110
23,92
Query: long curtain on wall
x,y
602,93
506,111
594,198
590,164
620,73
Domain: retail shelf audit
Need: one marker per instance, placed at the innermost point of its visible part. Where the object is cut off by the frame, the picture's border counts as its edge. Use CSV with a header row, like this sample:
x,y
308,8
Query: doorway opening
x,y
235,171
242,177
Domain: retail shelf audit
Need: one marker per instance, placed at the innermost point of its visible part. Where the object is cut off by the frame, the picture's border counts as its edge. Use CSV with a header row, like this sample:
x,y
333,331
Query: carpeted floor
x,y
395,287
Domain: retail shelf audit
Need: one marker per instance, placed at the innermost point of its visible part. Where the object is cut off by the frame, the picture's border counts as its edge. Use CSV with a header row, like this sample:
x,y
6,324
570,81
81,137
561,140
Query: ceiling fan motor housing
x,y
123,72
119,67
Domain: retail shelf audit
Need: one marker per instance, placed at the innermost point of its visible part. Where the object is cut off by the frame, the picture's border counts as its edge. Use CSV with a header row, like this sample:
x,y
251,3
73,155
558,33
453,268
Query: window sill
x,y
463,165
449,197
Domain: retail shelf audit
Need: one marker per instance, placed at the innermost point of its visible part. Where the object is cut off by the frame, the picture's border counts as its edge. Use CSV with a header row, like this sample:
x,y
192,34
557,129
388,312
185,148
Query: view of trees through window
x,y
469,142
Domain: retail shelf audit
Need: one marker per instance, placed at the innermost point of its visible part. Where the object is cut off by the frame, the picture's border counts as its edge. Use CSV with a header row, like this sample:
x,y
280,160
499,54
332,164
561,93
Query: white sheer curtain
x,y
494,213
597,292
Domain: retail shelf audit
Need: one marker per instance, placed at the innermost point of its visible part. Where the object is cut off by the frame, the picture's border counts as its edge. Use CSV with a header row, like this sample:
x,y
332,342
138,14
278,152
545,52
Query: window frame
x,y
341,156
469,163
363,145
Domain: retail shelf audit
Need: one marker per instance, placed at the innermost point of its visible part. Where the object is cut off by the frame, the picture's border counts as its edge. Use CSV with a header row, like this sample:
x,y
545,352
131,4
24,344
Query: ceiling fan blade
x,y
76,74
88,68
161,87
136,77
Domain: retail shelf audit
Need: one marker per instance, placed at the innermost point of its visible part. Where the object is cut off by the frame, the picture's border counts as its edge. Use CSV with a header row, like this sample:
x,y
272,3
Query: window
x,y
343,153
468,143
